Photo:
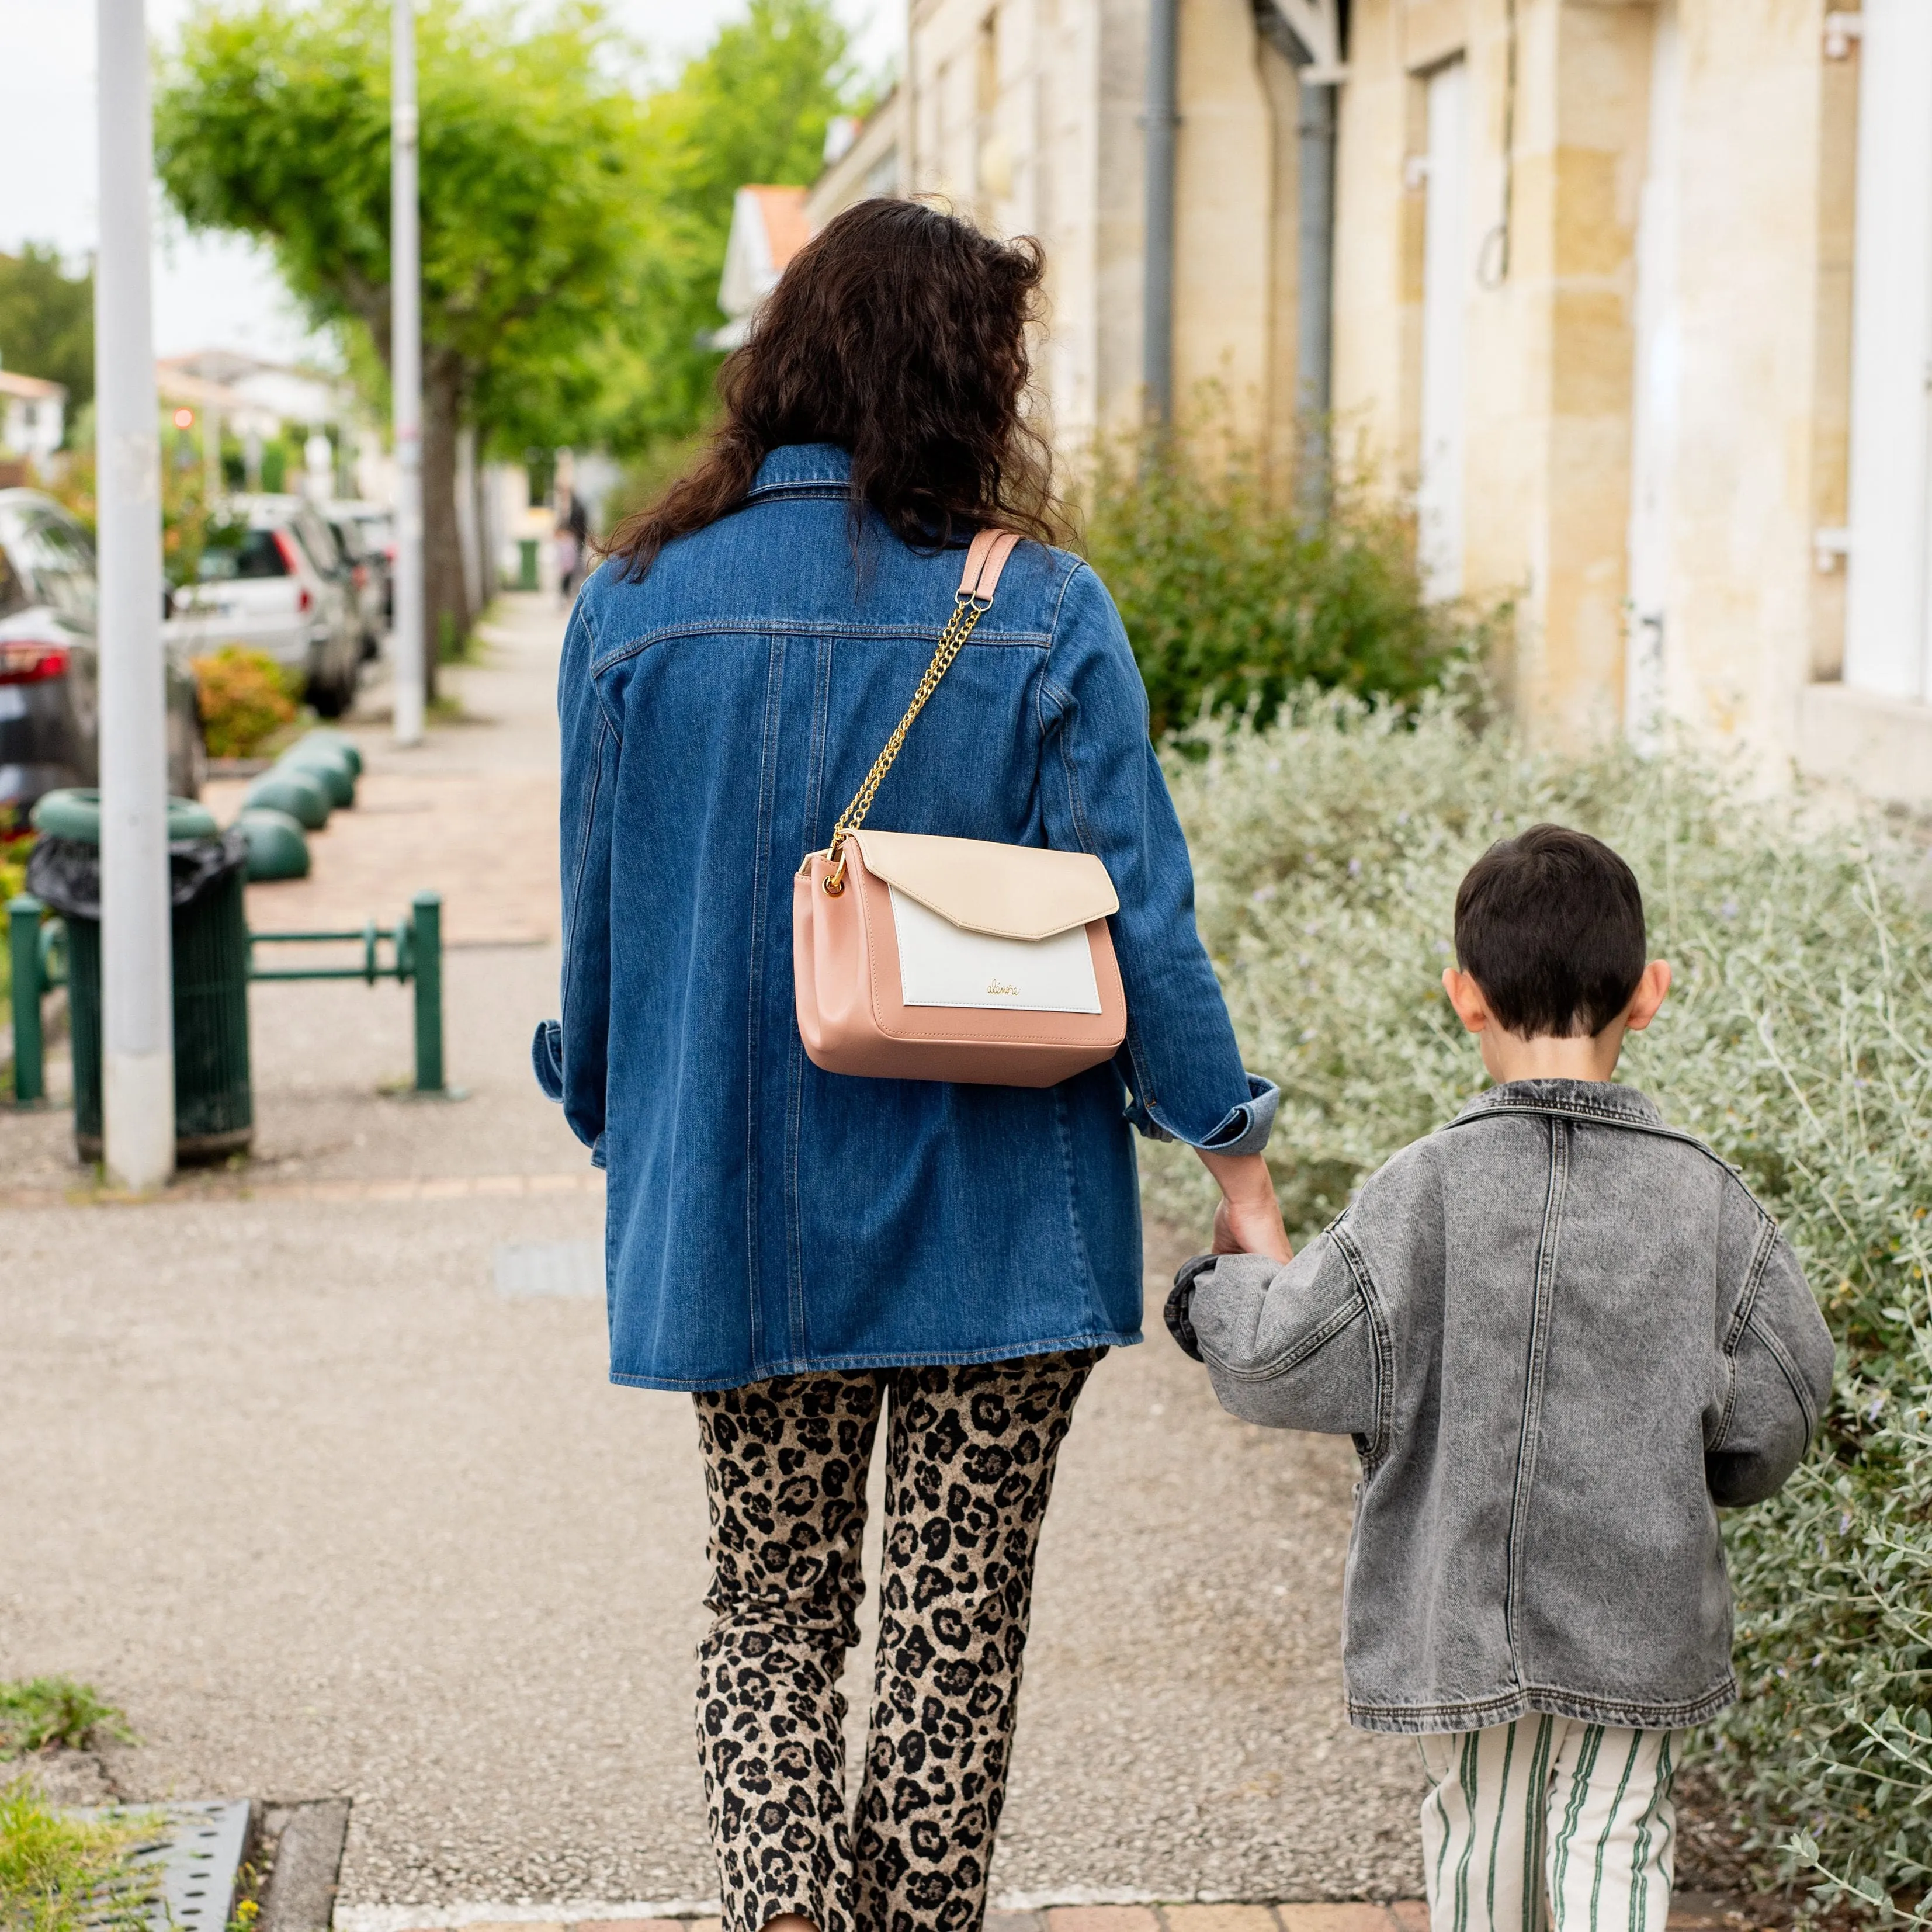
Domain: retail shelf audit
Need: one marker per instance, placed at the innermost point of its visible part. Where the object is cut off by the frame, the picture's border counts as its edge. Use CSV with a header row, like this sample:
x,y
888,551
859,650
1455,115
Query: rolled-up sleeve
x,y
570,1055
1104,793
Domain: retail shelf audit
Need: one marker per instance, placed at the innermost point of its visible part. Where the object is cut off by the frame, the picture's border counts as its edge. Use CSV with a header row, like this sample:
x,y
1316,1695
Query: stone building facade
x,y
1028,115
1635,296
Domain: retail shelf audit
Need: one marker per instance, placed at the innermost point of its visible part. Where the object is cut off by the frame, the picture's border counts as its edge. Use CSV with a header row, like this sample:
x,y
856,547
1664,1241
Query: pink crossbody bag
x,y
921,957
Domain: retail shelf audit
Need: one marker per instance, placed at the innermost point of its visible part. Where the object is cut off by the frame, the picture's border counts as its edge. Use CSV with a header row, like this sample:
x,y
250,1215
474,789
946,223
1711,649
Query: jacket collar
x,y
802,465
1589,1099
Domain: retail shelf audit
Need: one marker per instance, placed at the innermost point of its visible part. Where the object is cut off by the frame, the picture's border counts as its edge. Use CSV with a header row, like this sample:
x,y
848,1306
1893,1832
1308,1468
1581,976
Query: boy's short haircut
x,y
1550,924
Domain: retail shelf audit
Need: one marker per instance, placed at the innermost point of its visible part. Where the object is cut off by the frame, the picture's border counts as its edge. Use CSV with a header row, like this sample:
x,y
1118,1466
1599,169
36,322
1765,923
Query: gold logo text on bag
x,y
910,950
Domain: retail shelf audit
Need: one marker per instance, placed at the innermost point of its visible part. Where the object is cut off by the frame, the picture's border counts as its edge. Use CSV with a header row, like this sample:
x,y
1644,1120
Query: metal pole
x,y
1315,269
137,992
210,460
406,373
426,933
1162,117
23,939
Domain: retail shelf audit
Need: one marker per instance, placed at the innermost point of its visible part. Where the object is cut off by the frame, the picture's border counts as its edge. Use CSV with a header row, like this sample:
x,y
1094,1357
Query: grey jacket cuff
x,y
1242,1130
1180,1309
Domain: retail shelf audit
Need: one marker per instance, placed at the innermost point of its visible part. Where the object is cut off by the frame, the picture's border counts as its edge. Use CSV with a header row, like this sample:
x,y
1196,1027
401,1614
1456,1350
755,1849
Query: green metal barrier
x,y
37,954
37,948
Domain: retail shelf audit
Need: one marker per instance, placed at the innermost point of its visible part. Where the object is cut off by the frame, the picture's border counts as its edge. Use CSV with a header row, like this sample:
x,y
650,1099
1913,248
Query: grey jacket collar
x,y
1587,1100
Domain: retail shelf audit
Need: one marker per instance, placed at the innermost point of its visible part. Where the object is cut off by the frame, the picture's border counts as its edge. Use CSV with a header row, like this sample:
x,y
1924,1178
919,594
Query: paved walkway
x,y
313,1467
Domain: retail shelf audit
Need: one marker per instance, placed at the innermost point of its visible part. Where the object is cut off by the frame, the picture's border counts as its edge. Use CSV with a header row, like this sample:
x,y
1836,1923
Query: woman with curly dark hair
x,y
805,1250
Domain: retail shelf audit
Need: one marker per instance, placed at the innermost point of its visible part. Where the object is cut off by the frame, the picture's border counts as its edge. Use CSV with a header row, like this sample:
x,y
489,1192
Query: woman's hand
x,y
1248,1221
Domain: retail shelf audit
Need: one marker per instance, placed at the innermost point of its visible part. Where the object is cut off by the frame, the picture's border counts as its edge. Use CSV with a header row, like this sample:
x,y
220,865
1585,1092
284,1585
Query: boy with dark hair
x,y
1561,1334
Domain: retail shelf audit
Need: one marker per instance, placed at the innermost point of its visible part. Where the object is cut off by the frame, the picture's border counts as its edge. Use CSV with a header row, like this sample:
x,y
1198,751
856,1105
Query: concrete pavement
x,y
289,1477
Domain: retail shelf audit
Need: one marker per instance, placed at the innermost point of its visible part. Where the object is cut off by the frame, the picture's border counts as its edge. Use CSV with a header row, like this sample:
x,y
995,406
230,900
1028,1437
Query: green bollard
x,y
23,944
426,922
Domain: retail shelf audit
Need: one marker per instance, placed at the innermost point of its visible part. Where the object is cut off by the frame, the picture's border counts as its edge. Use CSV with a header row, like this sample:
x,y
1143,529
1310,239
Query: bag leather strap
x,y
985,558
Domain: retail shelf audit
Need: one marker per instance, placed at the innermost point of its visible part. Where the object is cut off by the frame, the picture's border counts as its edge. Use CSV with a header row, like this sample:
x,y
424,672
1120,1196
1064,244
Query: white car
x,y
362,534
272,579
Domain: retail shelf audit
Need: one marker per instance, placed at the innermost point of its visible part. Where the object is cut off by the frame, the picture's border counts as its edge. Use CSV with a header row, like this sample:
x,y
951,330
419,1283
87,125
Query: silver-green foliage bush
x,y
1797,1041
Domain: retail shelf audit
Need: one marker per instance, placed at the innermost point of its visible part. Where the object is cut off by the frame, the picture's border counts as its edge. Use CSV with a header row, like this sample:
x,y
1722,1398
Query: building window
x,y
1888,610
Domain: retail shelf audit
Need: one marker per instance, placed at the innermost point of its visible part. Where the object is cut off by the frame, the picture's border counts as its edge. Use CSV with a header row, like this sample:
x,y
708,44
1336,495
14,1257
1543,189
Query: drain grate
x,y
198,1849
527,1269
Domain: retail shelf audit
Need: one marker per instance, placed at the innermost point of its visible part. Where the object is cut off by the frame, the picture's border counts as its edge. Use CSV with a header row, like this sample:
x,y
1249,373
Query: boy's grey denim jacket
x,y
1561,1334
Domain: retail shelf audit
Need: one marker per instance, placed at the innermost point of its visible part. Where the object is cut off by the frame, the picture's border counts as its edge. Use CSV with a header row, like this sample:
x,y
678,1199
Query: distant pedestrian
x,y
573,541
1562,1334
808,1251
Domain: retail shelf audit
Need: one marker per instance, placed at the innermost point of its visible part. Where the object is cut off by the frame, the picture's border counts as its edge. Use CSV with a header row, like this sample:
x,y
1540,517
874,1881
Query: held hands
x,y
1248,1221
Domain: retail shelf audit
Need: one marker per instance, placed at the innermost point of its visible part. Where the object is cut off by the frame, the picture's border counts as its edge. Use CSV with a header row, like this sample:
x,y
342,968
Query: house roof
x,y
31,388
768,228
247,392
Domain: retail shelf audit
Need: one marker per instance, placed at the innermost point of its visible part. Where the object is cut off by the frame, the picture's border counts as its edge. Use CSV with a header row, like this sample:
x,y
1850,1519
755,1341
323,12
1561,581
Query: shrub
x,y
1229,597
244,697
16,842
1797,1041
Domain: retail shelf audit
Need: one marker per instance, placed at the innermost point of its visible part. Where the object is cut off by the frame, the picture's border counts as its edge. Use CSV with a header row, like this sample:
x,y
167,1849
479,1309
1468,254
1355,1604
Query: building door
x,y
1659,359
1445,288
1888,610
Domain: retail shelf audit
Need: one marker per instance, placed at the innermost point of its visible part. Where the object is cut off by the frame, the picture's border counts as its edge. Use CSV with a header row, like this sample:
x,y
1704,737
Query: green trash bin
x,y
527,563
214,1107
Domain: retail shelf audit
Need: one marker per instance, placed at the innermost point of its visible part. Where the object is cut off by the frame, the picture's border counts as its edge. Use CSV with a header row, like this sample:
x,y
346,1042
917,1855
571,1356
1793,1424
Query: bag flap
x,y
1012,891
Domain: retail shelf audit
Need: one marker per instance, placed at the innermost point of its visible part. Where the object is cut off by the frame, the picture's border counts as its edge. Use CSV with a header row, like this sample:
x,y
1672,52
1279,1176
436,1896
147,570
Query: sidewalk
x,y
313,1467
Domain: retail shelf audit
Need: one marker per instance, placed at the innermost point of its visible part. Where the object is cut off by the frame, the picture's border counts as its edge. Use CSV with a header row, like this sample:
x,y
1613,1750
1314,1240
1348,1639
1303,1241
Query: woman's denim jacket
x,y
764,1217
1561,1334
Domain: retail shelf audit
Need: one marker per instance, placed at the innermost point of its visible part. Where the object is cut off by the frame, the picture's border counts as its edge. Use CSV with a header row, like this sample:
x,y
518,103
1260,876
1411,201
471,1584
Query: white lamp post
x,y
137,989
406,373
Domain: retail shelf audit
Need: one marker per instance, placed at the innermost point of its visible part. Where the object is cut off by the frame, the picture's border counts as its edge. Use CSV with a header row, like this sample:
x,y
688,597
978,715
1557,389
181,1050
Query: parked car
x,y
271,578
375,527
361,533
50,678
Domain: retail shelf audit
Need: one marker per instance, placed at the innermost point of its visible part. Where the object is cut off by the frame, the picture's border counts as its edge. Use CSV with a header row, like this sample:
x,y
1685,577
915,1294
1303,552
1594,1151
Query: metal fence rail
x,y
37,950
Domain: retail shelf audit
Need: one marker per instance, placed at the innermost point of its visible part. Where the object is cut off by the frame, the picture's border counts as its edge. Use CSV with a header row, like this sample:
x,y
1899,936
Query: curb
x,y
308,1841
1072,1909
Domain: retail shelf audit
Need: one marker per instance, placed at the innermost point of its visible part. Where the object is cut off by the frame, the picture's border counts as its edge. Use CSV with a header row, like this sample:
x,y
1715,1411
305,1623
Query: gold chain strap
x,y
967,612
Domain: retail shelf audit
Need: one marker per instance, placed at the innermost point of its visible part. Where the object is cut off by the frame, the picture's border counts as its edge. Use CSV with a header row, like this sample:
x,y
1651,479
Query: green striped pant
x,y
1545,1823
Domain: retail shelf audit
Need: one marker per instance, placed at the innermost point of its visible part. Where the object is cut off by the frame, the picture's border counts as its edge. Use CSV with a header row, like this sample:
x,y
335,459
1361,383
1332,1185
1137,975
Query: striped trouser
x,y
1548,1822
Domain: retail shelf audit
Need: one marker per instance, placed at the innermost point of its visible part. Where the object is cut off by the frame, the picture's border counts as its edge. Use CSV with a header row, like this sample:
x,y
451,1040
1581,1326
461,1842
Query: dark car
x,y
49,684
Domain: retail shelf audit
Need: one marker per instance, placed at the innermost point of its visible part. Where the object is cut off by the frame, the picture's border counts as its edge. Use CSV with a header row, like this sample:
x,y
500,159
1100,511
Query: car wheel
x,y
329,698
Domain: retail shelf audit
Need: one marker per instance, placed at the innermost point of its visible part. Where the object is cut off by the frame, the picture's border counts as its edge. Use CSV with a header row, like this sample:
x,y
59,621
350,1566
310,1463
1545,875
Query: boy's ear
x,y
1649,996
1466,997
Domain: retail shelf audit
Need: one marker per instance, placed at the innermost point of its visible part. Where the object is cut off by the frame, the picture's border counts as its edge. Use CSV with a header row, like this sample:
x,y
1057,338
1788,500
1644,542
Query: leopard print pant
x,y
969,1468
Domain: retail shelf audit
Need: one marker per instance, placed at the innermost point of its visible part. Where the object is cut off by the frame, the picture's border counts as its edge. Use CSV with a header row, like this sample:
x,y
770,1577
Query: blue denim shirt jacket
x,y
764,1217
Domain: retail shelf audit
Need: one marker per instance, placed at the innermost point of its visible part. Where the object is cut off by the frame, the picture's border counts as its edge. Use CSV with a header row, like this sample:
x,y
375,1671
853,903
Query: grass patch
x,y
62,1873
44,1713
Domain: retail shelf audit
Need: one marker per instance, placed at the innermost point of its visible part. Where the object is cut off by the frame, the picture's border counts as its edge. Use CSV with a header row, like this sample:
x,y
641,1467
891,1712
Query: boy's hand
x,y
1248,1221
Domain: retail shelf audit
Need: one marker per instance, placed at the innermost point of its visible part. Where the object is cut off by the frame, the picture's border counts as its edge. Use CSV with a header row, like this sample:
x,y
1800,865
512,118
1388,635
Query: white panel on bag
x,y
942,965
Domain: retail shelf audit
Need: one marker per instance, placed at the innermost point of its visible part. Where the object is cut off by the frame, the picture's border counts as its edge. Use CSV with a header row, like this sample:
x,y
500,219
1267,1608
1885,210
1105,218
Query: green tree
x,y
46,323
275,121
751,108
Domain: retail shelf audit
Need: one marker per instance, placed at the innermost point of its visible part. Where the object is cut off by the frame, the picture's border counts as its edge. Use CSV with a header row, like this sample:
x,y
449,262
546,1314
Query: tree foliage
x,y
573,233
274,121
752,108
46,323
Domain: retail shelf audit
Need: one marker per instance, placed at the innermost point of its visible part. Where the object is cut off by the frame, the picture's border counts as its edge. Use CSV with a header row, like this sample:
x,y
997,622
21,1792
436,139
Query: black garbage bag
x,y
65,873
